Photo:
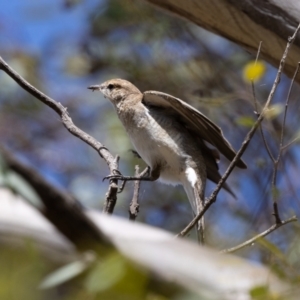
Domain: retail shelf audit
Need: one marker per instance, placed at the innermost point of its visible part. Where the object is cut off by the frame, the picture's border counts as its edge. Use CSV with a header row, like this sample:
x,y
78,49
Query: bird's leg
x,y
147,175
143,173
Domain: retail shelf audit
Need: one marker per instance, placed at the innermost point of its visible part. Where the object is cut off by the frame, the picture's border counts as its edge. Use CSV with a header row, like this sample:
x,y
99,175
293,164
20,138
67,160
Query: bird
x,y
172,137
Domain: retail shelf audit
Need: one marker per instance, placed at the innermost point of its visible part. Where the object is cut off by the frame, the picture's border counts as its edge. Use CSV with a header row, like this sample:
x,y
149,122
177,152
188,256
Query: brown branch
x,y
134,204
255,238
112,163
246,141
111,195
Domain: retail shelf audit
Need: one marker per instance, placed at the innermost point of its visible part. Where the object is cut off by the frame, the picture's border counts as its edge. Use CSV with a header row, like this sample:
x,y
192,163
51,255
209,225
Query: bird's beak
x,y
94,87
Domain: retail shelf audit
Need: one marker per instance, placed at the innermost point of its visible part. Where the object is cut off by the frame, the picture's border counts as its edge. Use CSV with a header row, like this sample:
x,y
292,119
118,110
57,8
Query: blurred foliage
x,y
62,47
110,276
21,274
19,185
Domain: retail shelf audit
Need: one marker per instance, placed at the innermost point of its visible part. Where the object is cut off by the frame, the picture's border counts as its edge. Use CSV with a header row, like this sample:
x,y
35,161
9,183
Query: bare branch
x,y
246,141
266,144
257,109
276,162
296,139
286,108
111,195
255,238
134,205
68,123
258,52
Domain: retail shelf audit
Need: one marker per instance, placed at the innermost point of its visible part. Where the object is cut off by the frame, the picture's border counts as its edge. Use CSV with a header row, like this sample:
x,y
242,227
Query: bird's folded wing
x,y
195,121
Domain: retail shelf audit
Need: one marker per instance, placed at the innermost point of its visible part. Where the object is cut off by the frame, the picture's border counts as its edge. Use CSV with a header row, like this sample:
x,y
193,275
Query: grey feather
x,y
195,121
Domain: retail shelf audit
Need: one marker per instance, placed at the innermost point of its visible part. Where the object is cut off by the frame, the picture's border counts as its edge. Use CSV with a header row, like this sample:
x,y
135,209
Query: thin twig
x,y
277,160
246,141
112,163
258,52
286,108
255,238
260,126
134,204
256,107
291,143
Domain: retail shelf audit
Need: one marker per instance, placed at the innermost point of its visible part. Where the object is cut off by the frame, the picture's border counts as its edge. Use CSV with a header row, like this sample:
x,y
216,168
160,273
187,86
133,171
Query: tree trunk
x,y
246,22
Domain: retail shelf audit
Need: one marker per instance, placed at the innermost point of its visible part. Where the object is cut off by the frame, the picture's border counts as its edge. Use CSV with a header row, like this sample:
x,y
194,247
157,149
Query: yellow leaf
x,y
254,70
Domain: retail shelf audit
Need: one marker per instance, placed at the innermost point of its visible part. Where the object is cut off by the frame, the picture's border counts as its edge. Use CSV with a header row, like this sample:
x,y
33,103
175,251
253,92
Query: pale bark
x,y
246,22
198,269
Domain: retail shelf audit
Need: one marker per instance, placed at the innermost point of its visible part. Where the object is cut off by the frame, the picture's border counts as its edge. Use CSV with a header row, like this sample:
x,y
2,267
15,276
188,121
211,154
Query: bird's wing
x,y
211,157
195,121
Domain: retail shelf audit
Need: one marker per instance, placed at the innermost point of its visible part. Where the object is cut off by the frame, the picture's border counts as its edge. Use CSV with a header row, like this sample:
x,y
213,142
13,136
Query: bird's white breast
x,y
158,142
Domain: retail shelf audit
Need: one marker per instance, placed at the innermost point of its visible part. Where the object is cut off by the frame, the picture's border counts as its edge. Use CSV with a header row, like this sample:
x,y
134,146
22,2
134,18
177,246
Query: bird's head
x,y
116,90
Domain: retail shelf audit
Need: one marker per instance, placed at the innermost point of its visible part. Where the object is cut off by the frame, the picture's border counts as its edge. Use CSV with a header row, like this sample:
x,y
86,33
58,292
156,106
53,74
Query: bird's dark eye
x,y
110,86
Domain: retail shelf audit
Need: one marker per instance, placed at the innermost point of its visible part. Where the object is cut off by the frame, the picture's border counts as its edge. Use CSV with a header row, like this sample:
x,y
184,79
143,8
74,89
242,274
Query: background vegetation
x,y
61,47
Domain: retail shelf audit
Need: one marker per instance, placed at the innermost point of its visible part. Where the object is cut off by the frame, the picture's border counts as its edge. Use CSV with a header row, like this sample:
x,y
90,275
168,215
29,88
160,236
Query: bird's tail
x,y
201,227
195,192
201,223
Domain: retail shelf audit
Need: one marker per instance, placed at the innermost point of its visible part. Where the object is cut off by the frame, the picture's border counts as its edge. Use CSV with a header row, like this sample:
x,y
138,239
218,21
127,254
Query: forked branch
x,y
111,161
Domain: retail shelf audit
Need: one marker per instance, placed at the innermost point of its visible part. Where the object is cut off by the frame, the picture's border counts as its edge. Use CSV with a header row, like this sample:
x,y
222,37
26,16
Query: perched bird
x,y
170,136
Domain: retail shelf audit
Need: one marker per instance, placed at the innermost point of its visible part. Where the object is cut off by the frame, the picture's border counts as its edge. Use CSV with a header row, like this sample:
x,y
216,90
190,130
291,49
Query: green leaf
x,y
273,249
106,273
20,186
245,121
293,252
259,292
67,272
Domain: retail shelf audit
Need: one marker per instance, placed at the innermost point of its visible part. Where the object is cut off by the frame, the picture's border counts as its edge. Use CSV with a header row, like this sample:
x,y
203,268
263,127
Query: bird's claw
x,y
116,177
122,187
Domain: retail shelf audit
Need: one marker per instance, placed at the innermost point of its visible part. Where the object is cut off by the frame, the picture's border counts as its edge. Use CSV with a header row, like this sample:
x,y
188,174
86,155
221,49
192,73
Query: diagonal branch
x,y
260,126
281,148
246,141
256,108
111,196
263,234
286,108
